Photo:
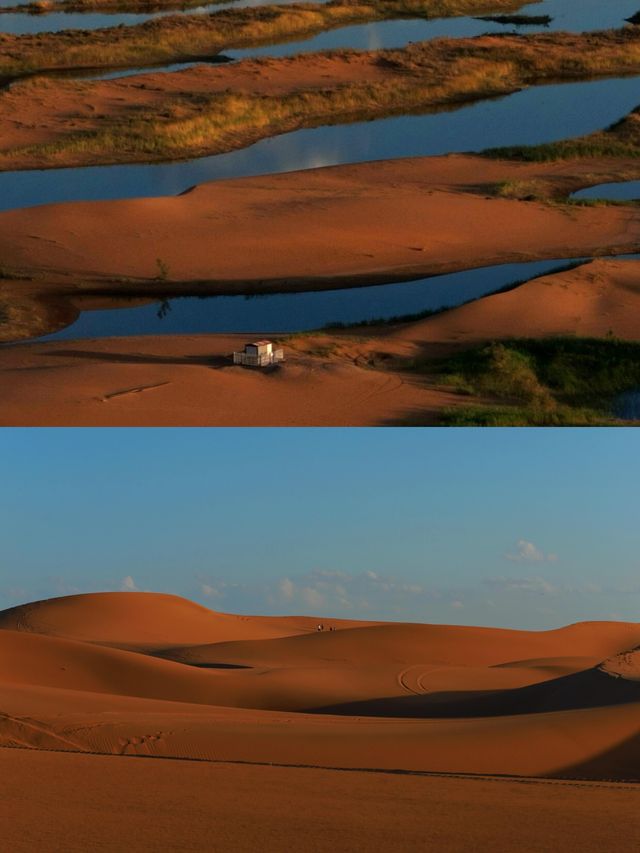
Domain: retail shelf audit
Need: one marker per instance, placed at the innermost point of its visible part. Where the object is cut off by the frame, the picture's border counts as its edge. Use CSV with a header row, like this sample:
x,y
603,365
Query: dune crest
x,y
140,618
157,675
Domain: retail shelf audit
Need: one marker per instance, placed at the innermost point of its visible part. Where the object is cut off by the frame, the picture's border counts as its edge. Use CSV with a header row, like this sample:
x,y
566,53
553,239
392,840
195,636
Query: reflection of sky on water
x,y
298,311
288,312
567,15
615,192
538,114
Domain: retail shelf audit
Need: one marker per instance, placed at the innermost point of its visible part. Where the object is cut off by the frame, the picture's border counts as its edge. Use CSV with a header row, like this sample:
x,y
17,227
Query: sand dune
x,y
441,644
142,619
393,219
595,299
192,683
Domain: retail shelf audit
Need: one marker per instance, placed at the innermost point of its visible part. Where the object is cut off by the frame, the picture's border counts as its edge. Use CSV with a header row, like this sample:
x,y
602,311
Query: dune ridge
x,y
156,675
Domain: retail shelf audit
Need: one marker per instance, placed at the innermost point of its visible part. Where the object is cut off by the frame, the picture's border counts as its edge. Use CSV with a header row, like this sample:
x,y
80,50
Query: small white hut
x,y
258,354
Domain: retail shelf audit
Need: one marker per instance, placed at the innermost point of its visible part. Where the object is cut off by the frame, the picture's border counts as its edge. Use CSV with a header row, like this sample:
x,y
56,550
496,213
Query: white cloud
x,y
128,585
536,585
312,597
287,589
527,552
323,592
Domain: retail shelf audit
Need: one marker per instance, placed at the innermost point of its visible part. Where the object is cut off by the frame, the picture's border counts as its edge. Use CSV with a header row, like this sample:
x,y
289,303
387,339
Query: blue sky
x,y
523,528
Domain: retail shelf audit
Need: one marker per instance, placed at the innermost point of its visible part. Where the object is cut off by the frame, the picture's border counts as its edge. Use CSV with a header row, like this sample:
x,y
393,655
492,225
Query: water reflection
x,y
626,406
288,312
566,15
531,116
300,311
626,191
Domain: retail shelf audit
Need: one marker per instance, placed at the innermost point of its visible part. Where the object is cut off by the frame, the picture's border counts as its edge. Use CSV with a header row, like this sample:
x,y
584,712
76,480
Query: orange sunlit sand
x,y
265,729
152,674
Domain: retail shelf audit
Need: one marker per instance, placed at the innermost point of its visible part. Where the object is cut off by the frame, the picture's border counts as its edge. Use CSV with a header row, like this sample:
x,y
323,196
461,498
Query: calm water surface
x,y
573,15
288,312
538,114
627,191
627,406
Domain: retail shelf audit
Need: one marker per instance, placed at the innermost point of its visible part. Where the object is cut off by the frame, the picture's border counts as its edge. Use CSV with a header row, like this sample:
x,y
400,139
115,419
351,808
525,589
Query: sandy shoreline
x,y
356,377
364,223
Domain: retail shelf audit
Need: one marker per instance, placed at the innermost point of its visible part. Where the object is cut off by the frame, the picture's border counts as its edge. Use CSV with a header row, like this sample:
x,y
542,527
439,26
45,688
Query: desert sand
x,y
319,228
357,224
593,300
189,380
200,806
356,377
249,711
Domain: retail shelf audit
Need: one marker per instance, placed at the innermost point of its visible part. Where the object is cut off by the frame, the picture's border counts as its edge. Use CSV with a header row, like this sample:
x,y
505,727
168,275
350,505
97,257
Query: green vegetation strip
x,y
427,75
549,382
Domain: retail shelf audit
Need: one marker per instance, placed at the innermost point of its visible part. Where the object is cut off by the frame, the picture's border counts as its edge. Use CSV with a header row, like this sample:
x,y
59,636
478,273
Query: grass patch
x,y
522,416
552,381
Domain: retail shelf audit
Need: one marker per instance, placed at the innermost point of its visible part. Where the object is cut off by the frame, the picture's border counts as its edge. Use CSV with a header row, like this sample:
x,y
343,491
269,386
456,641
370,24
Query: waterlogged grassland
x,y
429,75
621,140
178,38
550,382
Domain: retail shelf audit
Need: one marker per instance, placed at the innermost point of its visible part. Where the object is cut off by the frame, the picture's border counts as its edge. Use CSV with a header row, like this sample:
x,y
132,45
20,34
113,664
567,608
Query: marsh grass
x,y
621,139
551,381
425,76
523,416
176,38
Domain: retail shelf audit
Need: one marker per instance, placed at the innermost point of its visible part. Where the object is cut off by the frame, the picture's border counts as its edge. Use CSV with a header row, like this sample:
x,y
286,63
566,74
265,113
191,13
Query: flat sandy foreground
x,y
146,717
318,229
